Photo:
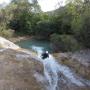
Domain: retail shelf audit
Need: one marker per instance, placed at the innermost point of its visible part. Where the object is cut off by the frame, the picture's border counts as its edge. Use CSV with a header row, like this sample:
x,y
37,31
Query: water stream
x,y
50,69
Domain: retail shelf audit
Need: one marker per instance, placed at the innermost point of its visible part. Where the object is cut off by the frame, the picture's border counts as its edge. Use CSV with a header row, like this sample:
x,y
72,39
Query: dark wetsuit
x,y
45,55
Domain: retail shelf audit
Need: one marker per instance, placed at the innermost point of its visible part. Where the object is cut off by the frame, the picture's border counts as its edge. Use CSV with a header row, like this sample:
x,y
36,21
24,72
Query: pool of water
x,y
35,45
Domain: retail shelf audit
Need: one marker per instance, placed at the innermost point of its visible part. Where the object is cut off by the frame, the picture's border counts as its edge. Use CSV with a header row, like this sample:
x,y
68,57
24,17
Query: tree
x,y
44,29
24,16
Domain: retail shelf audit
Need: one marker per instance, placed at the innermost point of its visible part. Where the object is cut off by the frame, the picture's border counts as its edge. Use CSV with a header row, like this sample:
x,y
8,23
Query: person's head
x,y
47,52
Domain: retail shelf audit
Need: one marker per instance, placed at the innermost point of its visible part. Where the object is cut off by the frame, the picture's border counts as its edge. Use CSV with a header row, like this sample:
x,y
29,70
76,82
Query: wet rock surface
x,y
65,84
17,73
79,63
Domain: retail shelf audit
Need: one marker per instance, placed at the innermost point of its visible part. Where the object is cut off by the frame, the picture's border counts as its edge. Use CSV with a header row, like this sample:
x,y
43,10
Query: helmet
x,y
46,51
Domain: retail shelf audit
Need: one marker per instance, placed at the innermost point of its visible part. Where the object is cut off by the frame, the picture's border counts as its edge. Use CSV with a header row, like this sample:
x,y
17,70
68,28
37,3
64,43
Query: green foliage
x,y
83,35
64,42
67,27
25,19
6,33
22,24
80,22
44,29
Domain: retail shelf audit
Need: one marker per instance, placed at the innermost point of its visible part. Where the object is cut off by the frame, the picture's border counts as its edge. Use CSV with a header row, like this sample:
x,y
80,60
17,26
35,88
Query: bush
x,y
64,43
84,34
6,33
44,29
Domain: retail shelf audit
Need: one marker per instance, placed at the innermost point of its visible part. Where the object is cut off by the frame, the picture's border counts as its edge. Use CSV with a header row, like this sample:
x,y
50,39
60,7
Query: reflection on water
x,y
35,45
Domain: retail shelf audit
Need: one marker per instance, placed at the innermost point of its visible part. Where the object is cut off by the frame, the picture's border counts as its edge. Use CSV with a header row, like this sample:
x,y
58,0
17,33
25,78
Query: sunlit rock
x,y
4,43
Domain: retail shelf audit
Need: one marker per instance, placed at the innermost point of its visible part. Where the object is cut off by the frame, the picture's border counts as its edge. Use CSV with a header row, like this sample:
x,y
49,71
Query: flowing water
x,y
52,70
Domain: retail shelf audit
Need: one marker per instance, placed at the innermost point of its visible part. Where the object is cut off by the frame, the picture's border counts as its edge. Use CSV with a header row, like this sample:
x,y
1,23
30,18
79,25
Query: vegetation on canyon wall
x,y
67,27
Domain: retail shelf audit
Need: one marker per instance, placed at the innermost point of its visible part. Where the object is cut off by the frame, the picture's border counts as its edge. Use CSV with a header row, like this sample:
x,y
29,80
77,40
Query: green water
x,y
35,45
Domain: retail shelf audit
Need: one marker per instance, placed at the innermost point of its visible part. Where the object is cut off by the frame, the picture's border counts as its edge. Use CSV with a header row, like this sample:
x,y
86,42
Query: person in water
x,y
45,55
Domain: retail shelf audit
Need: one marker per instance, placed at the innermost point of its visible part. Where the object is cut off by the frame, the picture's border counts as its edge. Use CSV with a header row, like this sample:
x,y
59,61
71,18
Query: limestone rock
x,y
4,43
17,71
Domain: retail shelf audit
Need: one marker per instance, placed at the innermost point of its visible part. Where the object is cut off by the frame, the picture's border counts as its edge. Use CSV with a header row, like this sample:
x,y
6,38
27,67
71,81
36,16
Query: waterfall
x,y
51,72
50,69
